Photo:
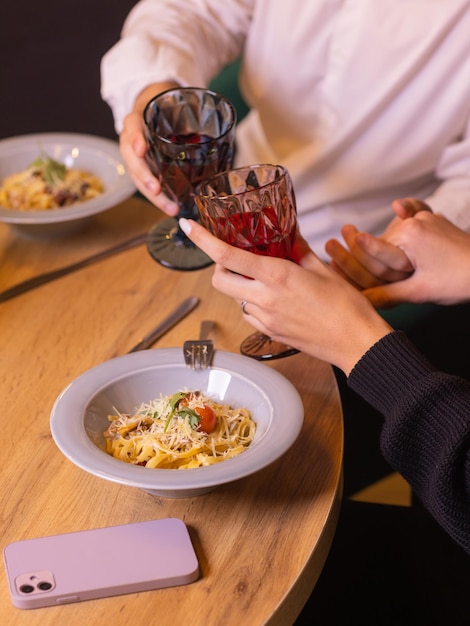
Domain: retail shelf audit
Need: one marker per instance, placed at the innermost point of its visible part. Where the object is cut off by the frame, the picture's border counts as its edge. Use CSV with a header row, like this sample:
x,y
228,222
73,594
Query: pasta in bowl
x,y
122,386
83,175
185,430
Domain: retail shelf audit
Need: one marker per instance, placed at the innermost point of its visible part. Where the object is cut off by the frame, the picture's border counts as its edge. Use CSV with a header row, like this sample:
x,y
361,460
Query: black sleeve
x,y
426,431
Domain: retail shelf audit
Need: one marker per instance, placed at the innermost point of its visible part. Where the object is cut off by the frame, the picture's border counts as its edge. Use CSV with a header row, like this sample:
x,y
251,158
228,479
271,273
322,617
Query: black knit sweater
x,y
426,432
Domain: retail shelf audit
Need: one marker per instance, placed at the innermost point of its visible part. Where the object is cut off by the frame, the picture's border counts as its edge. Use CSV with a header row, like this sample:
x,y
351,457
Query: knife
x,y
176,316
42,279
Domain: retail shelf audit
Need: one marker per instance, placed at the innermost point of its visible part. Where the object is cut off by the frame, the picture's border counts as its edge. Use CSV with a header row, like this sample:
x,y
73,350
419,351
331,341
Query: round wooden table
x,y
261,542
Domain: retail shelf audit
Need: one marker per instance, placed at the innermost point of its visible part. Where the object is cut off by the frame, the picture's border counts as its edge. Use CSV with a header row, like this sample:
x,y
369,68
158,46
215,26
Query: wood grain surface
x,y
261,541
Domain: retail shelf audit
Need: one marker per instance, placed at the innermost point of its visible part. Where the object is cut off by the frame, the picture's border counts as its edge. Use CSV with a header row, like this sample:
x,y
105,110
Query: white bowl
x,y
79,416
96,155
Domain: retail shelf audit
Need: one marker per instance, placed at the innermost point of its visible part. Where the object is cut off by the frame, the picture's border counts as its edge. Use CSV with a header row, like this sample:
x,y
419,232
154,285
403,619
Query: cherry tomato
x,y
208,418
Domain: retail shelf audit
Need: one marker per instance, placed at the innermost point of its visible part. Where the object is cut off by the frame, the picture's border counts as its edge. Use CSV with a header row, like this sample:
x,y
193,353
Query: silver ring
x,y
243,304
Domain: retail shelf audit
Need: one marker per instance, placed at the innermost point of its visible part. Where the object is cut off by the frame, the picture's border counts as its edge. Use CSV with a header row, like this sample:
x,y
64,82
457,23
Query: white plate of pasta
x,y
52,183
120,419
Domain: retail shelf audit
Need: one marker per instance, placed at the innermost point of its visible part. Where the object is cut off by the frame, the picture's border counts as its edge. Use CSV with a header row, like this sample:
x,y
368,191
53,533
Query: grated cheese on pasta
x,y
162,435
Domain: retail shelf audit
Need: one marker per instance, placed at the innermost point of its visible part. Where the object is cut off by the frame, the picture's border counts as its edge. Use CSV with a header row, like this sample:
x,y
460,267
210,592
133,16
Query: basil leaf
x,y
174,401
191,415
50,170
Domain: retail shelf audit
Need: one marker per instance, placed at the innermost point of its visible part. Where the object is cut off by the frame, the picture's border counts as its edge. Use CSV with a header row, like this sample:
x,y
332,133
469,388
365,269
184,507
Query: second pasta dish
x,y
47,184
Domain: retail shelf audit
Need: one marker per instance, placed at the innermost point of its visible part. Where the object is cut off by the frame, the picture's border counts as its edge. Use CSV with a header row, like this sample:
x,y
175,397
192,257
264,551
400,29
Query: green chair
x,y
226,83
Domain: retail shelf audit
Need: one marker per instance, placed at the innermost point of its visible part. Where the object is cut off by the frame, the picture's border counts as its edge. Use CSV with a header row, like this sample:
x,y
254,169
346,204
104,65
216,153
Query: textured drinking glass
x,y
190,136
253,208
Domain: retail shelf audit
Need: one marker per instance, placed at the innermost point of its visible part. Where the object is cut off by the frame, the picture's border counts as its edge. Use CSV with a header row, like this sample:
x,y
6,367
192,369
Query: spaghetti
x,y
168,433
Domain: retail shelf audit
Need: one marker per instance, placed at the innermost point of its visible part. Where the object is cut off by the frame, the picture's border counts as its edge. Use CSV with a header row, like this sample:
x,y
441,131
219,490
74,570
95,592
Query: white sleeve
x,y
452,197
184,41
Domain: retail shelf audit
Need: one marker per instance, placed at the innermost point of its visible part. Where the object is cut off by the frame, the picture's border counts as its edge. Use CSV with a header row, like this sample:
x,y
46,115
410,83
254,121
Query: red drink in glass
x,y
259,232
253,208
183,161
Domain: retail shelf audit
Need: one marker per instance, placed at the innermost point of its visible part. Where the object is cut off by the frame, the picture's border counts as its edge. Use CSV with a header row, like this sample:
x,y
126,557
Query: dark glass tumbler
x,y
190,134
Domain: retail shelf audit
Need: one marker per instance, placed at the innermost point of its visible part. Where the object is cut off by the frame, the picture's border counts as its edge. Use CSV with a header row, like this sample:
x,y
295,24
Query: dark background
x,y
50,55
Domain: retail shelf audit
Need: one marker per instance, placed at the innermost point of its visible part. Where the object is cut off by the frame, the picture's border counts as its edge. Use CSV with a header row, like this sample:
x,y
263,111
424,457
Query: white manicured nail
x,y
185,225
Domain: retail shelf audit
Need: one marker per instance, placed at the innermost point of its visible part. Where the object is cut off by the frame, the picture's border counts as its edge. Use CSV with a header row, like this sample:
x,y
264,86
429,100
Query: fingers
x,y
381,298
409,207
388,296
234,272
348,265
133,149
233,259
243,275
382,260
392,262
369,261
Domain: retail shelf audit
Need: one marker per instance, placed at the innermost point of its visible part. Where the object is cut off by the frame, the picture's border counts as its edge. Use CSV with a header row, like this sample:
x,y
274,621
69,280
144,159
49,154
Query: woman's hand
x,y
306,305
370,260
133,148
439,253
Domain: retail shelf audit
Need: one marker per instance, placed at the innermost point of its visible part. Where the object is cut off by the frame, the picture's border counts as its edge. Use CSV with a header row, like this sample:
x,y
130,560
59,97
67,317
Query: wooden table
x,y
261,541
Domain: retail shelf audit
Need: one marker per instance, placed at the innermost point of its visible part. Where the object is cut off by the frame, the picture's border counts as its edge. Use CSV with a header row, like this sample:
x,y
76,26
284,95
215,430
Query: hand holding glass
x,y
190,135
253,208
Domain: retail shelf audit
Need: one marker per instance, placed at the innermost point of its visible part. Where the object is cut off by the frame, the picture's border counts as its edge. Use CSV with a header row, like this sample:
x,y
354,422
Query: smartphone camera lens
x,y
45,586
35,584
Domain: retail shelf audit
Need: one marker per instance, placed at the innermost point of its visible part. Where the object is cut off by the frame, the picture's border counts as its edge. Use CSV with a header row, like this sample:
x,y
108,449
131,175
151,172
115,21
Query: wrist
x,y
149,93
360,342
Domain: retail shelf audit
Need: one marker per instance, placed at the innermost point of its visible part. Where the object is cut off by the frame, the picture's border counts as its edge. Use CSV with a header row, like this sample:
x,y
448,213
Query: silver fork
x,y
198,353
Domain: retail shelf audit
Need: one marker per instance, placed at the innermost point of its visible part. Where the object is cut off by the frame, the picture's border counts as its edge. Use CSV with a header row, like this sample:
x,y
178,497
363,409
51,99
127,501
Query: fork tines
x,y
198,354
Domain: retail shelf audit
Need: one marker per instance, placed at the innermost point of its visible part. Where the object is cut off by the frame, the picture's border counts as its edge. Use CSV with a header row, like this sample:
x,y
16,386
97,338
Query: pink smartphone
x,y
60,569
